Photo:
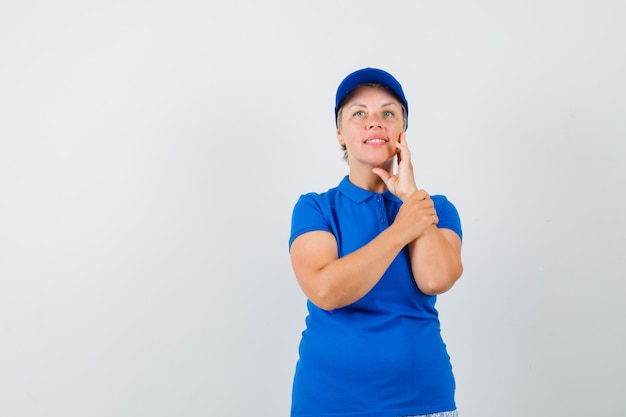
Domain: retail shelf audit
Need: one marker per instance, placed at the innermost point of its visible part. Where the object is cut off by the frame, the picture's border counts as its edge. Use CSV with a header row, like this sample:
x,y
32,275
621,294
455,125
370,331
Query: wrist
x,y
405,195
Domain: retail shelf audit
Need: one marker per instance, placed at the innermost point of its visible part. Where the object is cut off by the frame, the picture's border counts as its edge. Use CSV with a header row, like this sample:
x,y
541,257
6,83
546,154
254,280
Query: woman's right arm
x,y
331,282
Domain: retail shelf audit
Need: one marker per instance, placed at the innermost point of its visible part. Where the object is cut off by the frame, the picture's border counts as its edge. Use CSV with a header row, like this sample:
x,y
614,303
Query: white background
x,y
151,153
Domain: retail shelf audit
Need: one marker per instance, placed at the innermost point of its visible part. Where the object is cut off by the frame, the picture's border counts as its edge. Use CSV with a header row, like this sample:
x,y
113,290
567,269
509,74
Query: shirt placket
x,y
381,213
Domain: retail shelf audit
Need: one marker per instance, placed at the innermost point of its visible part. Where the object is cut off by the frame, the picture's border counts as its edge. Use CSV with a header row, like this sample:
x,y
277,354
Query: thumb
x,y
383,174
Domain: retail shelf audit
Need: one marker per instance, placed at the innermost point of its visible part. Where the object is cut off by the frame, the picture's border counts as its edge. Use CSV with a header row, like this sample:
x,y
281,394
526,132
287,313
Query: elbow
x,y
324,298
331,297
324,305
436,284
326,301
322,292
434,288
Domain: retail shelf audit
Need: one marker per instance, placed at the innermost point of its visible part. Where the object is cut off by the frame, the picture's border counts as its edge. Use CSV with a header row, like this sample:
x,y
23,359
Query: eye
x,y
359,113
388,113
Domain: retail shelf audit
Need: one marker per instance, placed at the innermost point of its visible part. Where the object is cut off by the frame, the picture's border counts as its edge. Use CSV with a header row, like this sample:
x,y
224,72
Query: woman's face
x,y
369,126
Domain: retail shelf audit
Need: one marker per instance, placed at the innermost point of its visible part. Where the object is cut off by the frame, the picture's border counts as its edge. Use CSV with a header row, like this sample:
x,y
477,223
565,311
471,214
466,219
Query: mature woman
x,y
371,255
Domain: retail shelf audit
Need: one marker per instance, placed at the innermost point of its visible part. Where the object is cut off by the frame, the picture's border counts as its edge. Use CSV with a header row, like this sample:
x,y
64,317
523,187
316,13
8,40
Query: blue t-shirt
x,y
383,355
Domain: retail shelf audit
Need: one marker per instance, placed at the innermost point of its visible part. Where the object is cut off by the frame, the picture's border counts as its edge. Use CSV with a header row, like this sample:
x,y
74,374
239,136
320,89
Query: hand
x,y
402,184
416,215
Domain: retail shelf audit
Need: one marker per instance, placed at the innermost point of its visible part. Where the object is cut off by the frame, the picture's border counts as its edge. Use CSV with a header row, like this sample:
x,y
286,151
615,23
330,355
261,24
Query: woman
x,y
371,255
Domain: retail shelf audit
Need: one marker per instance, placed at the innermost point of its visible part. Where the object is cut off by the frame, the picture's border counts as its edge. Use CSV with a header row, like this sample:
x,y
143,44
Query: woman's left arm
x,y
436,253
436,260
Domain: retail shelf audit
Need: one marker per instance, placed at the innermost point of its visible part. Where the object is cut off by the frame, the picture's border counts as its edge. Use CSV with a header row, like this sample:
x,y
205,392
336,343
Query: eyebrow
x,y
391,103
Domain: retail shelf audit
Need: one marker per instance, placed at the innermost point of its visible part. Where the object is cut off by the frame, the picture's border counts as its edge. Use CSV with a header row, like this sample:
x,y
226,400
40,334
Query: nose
x,y
374,121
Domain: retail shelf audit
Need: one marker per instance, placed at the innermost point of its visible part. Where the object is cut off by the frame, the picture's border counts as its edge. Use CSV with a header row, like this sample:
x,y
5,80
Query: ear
x,y
340,138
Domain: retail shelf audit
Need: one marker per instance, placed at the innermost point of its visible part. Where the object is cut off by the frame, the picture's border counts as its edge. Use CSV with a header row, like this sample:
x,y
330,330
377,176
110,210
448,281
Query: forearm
x,y
435,261
349,278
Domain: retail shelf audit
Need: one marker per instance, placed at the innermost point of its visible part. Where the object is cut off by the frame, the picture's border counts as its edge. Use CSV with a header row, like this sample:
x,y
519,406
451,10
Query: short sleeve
x,y
307,216
448,215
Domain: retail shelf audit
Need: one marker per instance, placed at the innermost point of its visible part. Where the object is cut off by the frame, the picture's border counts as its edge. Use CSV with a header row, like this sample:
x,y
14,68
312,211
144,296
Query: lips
x,y
375,140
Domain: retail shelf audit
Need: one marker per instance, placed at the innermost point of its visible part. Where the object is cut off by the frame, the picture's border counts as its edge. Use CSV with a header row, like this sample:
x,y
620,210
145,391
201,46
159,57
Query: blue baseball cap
x,y
368,75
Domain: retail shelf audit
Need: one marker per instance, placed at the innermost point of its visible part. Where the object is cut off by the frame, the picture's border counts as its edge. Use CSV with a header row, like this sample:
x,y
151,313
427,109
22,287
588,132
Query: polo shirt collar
x,y
359,195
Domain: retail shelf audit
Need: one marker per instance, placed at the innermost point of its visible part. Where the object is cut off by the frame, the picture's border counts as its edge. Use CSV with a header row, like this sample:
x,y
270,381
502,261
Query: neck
x,y
368,181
